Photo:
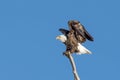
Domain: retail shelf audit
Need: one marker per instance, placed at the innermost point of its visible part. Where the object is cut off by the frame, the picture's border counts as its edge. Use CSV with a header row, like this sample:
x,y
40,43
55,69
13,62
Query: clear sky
x,y
29,50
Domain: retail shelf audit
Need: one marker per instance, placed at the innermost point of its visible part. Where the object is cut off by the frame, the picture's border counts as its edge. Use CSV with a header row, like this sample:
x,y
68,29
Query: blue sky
x,y
29,50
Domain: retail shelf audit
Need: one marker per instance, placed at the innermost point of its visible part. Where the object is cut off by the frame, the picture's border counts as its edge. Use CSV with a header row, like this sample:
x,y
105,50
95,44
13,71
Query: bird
x,y
72,45
80,32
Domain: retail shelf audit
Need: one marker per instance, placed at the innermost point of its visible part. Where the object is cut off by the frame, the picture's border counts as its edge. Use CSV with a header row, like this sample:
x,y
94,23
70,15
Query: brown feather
x,y
71,43
80,32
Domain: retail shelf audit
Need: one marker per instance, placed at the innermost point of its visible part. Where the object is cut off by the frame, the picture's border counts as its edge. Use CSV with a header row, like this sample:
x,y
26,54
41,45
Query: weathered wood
x,y
76,77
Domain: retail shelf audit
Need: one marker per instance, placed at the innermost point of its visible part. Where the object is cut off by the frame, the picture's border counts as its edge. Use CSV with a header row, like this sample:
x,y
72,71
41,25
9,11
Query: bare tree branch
x,y
76,77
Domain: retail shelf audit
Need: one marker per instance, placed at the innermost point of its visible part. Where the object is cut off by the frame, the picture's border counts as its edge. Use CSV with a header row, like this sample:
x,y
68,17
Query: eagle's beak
x,y
57,37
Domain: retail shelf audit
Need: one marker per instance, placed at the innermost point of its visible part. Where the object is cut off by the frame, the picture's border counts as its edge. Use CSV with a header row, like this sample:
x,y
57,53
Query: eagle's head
x,y
62,38
73,23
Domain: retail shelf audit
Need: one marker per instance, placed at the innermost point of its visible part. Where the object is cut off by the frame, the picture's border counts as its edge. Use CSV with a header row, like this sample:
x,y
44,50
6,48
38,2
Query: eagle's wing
x,y
78,30
86,34
64,31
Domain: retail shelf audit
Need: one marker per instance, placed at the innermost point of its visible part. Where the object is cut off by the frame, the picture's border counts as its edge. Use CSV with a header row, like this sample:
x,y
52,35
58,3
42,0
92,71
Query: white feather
x,y
83,50
62,38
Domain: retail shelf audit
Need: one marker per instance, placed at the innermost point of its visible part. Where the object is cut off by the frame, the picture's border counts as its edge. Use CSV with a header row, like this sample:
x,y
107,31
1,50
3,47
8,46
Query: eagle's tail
x,y
83,50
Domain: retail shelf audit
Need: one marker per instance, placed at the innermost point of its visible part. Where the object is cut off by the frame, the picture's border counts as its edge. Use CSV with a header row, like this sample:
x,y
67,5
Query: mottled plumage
x,y
72,45
71,42
80,32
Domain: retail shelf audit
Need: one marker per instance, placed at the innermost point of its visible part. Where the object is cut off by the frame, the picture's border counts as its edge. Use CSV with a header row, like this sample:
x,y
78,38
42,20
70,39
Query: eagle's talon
x,y
66,53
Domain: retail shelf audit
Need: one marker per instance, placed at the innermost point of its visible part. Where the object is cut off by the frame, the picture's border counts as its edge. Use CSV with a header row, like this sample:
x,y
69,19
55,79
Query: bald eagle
x,y
72,44
80,32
